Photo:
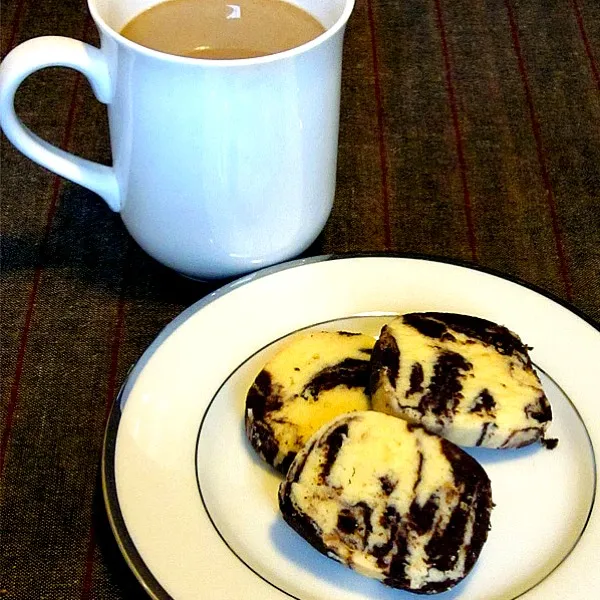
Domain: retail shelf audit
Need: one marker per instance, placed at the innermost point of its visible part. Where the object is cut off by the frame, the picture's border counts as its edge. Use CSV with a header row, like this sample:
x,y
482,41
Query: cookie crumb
x,y
549,443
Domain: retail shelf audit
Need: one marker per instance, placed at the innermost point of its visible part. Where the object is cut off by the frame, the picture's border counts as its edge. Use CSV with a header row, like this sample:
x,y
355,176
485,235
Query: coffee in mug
x,y
223,29
220,167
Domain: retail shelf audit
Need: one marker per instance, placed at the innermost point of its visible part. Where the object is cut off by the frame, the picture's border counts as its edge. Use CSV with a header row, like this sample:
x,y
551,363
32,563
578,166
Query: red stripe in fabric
x,y
16,26
14,390
56,187
380,129
586,43
111,393
535,125
457,131
89,565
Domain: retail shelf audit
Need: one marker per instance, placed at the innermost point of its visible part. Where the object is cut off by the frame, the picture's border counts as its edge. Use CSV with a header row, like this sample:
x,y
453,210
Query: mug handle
x,y
56,51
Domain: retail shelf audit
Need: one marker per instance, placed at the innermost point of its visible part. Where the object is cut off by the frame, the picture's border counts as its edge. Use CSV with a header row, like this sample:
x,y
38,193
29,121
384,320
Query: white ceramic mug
x,y
220,167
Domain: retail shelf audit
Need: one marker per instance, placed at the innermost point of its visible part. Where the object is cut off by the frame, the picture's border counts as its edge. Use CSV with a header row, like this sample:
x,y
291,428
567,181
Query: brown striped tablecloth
x,y
470,130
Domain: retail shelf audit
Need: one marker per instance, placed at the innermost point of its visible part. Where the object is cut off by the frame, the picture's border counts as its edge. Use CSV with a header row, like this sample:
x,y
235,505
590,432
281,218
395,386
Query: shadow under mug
x,y
220,167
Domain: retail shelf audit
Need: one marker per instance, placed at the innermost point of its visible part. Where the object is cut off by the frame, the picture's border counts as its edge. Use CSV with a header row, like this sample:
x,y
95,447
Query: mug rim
x,y
221,62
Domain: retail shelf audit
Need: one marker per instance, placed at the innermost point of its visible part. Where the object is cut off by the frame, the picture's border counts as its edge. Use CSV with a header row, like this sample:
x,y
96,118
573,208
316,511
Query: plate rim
x,y
128,550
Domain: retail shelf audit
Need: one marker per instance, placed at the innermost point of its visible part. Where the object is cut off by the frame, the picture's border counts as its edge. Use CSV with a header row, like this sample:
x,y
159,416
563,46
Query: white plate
x,y
195,512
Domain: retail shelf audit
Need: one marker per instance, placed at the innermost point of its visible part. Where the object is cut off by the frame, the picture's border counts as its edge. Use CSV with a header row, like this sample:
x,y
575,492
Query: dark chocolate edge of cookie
x,y
302,525
538,434
261,438
426,590
299,522
385,361
436,325
260,434
478,486
465,467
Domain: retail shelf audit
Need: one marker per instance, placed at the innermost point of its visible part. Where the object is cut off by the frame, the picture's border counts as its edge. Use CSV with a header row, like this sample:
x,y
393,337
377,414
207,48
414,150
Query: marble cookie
x,y
464,378
389,500
314,378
